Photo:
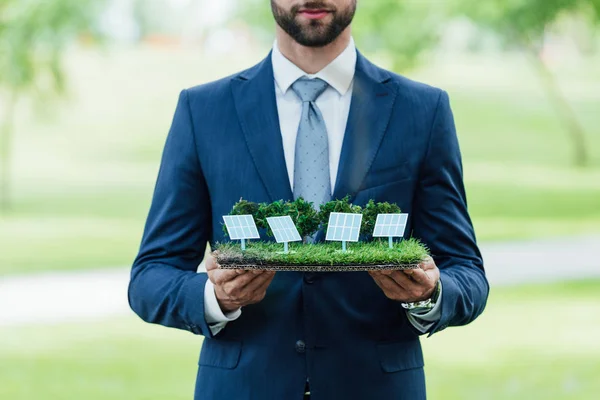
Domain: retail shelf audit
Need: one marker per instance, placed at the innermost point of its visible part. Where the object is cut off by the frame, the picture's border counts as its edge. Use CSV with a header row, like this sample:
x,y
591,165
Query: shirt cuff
x,y
423,321
216,319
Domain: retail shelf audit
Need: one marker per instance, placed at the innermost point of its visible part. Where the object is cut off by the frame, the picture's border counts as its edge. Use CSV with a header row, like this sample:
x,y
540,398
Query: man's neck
x,y
311,59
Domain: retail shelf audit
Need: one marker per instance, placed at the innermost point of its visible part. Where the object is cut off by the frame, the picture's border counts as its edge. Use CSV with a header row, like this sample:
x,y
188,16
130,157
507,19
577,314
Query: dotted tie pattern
x,y
311,164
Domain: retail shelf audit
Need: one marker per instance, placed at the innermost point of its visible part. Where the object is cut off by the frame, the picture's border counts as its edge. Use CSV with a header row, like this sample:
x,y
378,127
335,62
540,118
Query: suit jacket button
x,y
300,346
310,278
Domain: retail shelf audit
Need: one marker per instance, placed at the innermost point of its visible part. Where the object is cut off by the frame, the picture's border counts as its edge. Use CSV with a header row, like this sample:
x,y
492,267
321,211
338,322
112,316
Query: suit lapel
x,y
370,110
254,97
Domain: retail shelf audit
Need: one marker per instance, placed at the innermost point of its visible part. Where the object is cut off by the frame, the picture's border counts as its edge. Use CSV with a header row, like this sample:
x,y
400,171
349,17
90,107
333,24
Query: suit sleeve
x,y
441,220
165,287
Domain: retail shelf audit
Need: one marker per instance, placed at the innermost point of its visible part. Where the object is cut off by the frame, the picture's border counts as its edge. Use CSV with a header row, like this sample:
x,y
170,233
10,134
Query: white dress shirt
x,y
334,104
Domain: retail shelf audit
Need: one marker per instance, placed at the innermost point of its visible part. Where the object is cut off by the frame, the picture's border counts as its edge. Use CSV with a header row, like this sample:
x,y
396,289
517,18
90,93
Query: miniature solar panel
x,y
343,227
390,225
241,227
284,229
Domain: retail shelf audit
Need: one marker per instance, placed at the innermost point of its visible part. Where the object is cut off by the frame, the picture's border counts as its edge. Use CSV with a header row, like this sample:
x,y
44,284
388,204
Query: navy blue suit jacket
x,y
337,329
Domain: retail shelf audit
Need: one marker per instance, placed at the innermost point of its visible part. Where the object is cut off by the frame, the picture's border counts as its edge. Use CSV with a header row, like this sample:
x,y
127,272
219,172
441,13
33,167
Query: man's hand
x,y
411,285
236,288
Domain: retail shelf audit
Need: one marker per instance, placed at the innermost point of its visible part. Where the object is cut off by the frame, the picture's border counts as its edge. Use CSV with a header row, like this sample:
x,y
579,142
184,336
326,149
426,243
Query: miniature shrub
x,y
304,215
244,207
265,210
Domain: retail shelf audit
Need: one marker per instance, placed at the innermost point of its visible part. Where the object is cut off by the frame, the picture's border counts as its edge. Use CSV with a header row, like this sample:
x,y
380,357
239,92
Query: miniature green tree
x,y
265,210
341,206
370,212
244,207
301,211
305,217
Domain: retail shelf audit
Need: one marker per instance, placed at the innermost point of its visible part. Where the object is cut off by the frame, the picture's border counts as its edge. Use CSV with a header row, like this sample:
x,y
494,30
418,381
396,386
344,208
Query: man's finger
x,y
222,276
402,280
211,263
244,278
418,275
259,282
427,263
234,286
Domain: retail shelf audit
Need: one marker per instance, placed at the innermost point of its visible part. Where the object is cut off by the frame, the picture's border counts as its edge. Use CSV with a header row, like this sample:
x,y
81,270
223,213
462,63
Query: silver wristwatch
x,y
425,305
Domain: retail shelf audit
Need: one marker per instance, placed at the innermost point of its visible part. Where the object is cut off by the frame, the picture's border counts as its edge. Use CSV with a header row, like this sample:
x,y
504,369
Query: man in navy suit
x,y
314,118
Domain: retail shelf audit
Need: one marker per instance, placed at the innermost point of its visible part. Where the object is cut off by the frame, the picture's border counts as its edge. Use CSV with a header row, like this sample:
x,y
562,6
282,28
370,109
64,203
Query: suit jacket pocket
x,y
400,356
220,353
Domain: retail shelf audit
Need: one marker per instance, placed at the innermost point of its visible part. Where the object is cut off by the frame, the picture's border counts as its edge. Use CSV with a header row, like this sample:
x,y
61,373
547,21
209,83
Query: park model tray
x,y
321,268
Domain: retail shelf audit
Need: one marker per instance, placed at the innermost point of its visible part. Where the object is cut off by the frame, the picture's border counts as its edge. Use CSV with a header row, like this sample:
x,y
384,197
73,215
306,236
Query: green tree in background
x,y
34,35
402,30
524,24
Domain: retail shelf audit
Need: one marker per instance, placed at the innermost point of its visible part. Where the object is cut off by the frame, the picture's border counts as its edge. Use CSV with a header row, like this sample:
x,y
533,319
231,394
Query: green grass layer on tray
x,y
377,252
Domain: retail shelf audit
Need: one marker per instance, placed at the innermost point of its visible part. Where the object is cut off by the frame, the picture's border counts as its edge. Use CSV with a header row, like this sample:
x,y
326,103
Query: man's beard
x,y
315,34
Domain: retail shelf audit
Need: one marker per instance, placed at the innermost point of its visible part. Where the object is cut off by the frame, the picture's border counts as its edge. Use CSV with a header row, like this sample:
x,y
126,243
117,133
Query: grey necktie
x,y
311,163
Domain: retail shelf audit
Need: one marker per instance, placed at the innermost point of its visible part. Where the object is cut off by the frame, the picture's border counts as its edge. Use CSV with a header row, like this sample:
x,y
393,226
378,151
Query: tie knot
x,y
309,89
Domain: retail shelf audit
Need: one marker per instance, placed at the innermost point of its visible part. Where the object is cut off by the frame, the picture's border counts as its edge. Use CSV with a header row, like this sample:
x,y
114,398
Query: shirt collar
x,y
338,74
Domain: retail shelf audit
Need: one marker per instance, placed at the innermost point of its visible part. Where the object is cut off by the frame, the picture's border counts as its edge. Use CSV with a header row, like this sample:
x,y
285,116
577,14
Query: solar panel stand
x,y
286,249
391,242
243,244
344,246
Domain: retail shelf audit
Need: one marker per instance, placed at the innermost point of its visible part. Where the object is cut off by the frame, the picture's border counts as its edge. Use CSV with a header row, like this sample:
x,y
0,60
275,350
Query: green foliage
x,y
244,207
409,251
402,30
275,209
340,206
305,216
524,22
302,213
370,212
34,35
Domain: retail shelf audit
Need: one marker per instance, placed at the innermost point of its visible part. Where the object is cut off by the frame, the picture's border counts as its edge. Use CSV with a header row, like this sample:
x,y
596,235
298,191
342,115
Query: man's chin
x,y
315,34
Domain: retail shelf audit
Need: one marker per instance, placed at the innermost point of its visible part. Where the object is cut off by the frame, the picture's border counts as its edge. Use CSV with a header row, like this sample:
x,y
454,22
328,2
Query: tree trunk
x,y
563,109
6,130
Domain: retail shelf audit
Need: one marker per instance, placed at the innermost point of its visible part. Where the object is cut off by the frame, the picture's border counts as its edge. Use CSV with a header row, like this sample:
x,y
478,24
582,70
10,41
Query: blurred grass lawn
x,y
532,342
84,172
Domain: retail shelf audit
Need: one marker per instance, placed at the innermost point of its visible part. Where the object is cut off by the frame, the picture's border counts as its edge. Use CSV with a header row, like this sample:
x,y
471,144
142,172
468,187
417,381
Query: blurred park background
x,y
87,92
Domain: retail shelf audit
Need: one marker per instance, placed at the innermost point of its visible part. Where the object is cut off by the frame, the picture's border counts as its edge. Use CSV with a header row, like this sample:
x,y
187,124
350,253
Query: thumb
x,y
211,263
